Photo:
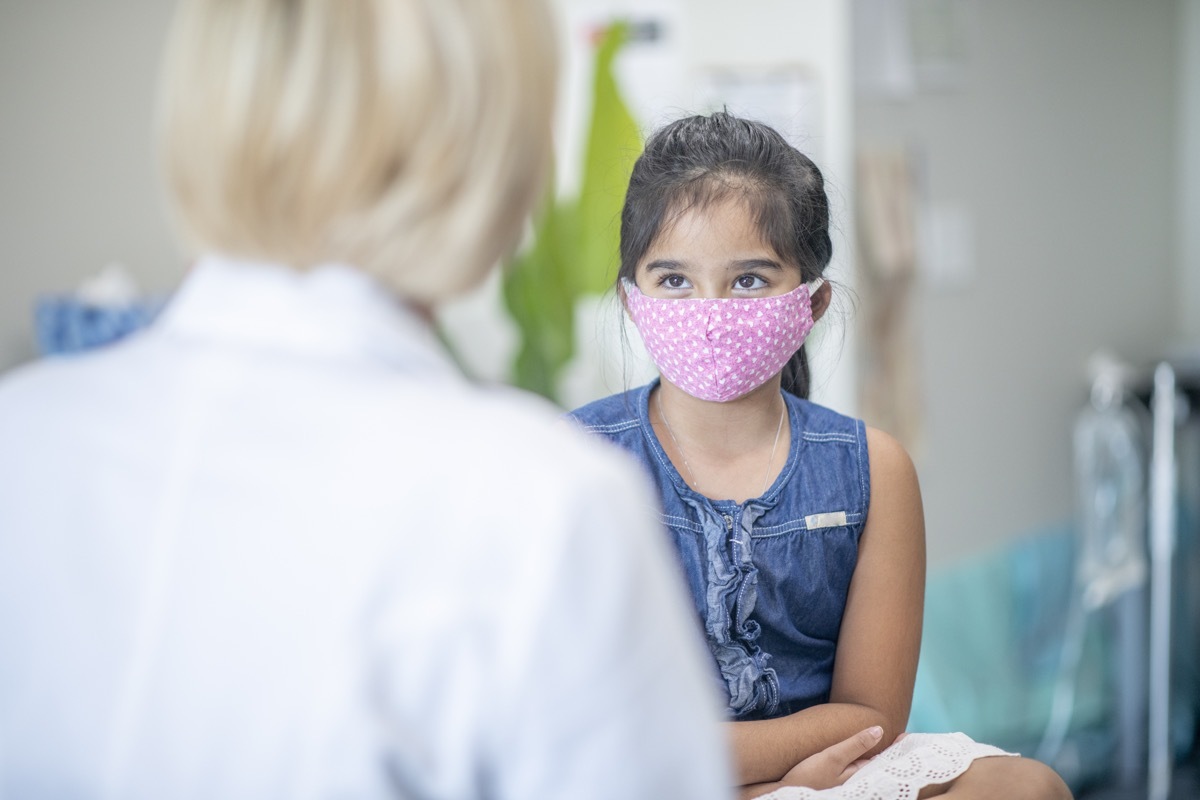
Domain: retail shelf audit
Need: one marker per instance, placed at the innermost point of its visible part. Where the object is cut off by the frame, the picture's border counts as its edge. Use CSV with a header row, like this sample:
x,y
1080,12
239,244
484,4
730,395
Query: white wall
x,y
1060,147
77,182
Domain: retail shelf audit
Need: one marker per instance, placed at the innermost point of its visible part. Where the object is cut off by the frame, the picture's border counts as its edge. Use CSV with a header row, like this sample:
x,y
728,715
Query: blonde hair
x,y
409,138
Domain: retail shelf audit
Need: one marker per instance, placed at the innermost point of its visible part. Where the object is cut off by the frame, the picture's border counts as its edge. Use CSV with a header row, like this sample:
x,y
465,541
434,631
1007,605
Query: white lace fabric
x,y
901,771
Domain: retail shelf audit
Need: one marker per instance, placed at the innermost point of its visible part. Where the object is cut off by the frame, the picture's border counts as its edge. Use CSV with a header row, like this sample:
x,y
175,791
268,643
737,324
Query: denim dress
x,y
768,577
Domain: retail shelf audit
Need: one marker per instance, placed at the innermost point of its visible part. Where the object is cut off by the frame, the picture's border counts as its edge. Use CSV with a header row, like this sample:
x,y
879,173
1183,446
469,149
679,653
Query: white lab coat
x,y
276,546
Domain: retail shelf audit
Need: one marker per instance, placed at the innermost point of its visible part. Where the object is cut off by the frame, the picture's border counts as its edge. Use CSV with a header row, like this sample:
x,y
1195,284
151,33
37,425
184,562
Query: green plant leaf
x,y
573,249
538,295
614,142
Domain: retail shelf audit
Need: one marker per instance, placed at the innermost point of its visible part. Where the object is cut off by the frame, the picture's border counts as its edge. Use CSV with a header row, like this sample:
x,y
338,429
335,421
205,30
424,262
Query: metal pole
x,y
1162,546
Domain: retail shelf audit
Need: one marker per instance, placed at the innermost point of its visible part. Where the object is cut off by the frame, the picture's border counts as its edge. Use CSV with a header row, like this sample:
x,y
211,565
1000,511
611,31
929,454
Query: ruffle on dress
x,y
732,592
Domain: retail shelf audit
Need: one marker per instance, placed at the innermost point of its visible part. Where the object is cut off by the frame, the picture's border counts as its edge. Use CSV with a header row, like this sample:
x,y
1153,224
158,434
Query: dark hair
x,y
696,161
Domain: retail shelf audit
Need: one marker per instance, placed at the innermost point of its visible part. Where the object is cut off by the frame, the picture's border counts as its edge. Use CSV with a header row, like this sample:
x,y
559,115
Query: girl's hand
x,y
834,765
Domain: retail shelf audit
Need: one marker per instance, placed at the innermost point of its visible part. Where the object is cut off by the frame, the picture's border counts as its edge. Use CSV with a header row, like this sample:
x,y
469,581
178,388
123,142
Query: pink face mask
x,y
721,348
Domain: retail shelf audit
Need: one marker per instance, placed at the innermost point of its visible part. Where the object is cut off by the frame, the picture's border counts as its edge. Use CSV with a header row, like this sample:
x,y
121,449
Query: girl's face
x,y
715,251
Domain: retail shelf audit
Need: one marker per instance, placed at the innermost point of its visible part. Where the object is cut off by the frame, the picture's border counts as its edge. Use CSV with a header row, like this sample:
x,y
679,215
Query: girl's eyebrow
x,y
666,264
754,263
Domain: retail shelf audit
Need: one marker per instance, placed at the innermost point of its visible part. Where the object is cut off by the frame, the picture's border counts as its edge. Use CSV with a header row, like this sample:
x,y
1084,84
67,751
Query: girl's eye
x,y
674,282
749,281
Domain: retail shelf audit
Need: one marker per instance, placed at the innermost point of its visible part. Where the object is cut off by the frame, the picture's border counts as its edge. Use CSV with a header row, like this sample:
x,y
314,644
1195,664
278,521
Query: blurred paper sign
x,y
903,46
786,97
947,235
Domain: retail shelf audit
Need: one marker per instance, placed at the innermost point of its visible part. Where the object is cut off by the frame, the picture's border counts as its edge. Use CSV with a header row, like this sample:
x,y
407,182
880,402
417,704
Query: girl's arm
x,y
880,639
833,766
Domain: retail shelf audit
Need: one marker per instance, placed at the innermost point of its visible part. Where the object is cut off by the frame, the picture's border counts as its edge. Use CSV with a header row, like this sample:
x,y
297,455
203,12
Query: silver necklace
x,y
692,475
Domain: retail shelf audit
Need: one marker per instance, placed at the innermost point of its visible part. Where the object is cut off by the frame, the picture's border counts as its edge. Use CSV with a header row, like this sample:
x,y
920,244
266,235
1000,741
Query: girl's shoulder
x,y
815,421
612,414
621,419
881,450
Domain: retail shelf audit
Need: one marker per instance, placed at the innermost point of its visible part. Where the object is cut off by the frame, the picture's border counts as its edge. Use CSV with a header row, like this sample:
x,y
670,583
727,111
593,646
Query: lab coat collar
x,y
333,310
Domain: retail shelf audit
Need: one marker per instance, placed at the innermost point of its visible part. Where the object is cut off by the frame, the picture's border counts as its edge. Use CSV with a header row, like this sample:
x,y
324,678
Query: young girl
x,y
800,531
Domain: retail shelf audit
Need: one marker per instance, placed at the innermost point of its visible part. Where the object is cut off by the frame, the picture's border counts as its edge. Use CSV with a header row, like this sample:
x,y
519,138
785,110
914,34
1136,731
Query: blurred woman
x,y
277,546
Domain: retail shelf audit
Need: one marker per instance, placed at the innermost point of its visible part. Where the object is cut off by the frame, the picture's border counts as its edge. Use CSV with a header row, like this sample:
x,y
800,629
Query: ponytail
x,y
795,376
